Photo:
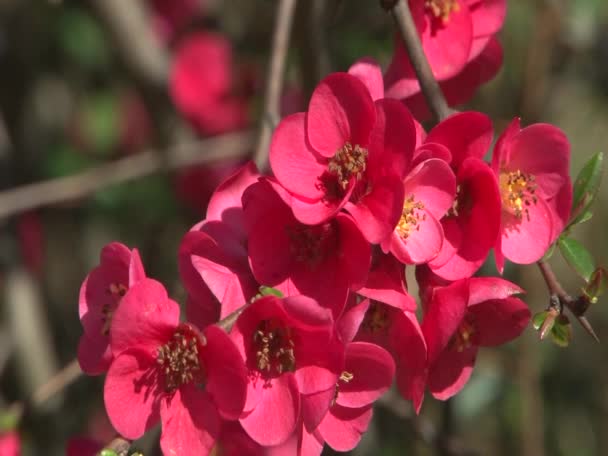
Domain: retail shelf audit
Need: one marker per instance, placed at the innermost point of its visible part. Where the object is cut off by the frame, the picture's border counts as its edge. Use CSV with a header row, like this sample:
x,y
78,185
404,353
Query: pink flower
x,y
213,259
169,371
460,318
386,282
201,84
458,40
399,333
10,444
471,226
532,166
345,152
321,261
234,441
429,192
292,354
100,294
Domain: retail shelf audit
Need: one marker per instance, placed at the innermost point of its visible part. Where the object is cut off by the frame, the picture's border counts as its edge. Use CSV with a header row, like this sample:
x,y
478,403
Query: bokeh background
x,y
87,83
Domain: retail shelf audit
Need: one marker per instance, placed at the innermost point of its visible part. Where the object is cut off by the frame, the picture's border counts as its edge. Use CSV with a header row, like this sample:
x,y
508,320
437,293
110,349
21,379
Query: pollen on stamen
x,y
274,348
179,359
376,318
411,216
463,338
518,192
348,162
442,9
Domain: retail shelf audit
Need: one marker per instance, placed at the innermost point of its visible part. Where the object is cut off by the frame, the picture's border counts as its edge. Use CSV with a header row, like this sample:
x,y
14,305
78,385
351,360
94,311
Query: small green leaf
x,y
108,453
577,256
8,421
597,285
269,291
586,187
561,333
539,318
550,251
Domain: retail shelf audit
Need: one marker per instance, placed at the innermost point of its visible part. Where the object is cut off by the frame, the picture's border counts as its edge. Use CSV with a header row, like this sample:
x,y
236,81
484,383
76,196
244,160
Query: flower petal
x,y
451,372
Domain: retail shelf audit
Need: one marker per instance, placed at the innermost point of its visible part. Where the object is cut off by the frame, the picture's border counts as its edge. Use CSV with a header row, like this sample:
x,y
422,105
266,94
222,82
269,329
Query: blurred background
x,y
90,87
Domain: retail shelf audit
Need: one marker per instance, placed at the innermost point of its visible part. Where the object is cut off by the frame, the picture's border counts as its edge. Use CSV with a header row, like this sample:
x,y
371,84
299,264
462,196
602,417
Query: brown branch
x,y
57,383
578,307
31,196
274,82
430,88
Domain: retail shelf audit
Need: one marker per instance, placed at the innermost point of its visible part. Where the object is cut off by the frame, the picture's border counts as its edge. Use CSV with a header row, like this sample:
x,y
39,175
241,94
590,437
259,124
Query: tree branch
x,y
428,84
31,196
577,306
274,82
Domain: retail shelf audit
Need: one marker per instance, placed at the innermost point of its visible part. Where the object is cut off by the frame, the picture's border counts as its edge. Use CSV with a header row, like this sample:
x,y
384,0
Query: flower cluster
x,y
298,313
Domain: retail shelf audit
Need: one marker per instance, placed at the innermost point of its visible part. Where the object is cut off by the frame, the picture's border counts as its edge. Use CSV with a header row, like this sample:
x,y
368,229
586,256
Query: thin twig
x,y
57,383
274,81
430,88
576,306
31,196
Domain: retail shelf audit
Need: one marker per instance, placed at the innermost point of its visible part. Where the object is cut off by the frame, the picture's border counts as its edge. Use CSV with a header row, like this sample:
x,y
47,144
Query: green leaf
x,y
108,453
577,256
550,251
269,291
8,421
597,285
586,187
561,333
539,318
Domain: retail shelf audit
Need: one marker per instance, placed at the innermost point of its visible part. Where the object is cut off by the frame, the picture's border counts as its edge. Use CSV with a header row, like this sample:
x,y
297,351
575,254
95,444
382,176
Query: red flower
x,y
10,444
81,446
470,228
429,192
100,294
460,318
213,259
346,151
532,166
321,261
292,354
167,370
458,40
201,84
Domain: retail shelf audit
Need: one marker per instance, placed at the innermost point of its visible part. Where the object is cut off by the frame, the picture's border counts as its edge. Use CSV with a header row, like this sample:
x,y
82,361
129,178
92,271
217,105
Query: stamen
x,y
465,334
376,318
518,192
274,348
348,162
310,244
179,359
410,216
116,292
442,9
345,377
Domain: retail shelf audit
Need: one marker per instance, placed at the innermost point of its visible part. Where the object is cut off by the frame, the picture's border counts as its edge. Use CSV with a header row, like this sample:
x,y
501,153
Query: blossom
x,y
458,39
460,318
532,167
429,192
320,261
170,371
100,294
471,226
291,354
201,84
10,444
345,152
82,446
213,259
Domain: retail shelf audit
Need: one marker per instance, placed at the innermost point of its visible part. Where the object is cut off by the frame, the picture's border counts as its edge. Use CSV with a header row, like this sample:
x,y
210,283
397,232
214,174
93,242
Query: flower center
x,y
463,338
310,244
441,9
410,216
376,318
348,162
274,348
517,190
179,358
116,292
